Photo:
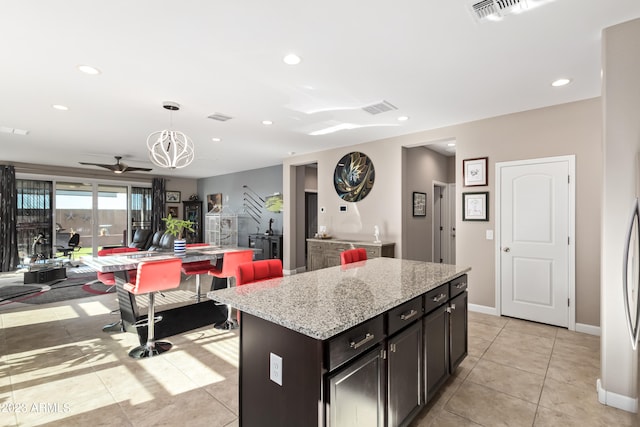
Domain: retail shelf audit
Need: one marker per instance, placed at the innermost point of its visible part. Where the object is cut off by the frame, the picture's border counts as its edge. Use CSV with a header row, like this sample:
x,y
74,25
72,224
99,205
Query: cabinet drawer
x,y
436,297
372,251
404,315
458,285
355,341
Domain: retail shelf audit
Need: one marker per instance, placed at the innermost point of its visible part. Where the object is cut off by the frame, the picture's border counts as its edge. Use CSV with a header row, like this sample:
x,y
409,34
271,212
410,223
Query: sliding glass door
x,y
111,216
74,214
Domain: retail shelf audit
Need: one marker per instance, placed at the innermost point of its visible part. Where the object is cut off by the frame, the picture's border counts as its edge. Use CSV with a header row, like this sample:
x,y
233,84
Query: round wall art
x,y
353,177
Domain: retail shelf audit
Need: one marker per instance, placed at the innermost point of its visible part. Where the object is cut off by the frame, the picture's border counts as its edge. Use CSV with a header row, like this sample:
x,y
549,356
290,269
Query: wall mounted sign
x,y
354,176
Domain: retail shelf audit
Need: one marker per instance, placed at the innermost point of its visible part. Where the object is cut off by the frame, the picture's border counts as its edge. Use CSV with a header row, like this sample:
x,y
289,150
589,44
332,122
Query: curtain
x,y
8,207
157,207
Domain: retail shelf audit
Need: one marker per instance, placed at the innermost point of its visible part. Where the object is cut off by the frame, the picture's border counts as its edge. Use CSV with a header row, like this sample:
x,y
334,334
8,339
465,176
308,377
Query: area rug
x,y
74,287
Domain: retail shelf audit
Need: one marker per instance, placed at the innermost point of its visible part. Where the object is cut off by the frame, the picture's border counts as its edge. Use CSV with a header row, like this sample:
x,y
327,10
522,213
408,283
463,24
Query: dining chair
x,y
152,277
353,255
257,271
230,262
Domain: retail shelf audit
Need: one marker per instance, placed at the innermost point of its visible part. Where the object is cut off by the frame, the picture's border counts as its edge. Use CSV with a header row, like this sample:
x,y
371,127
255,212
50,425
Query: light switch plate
x,y
275,368
489,234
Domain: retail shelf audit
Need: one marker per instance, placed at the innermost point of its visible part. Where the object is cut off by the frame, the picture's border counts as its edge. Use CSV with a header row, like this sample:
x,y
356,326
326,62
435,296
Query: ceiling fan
x,y
117,167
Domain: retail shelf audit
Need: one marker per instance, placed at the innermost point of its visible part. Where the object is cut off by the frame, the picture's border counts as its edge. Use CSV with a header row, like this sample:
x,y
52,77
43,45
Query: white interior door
x,y
535,205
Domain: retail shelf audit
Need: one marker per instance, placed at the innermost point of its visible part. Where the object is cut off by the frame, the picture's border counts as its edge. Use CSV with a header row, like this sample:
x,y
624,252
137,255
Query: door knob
x,y
507,249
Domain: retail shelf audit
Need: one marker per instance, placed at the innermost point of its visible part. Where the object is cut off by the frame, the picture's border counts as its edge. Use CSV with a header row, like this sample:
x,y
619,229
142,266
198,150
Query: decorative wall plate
x,y
354,176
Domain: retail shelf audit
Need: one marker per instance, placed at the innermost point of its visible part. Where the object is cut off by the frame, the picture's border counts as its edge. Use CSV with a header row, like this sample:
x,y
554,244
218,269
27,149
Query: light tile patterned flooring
x,y
58,368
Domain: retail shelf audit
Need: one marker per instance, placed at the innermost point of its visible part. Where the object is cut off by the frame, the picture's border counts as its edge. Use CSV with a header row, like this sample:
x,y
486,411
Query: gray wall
x,y
421,168
263,181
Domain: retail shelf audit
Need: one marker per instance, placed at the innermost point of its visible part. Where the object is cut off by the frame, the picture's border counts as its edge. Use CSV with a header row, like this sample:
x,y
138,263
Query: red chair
x,y
151,277
230,262
197,268
108,279
353,255
257,271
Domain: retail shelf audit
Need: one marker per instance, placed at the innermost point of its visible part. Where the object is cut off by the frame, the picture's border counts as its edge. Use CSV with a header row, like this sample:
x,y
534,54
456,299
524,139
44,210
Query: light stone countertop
x,y
326,302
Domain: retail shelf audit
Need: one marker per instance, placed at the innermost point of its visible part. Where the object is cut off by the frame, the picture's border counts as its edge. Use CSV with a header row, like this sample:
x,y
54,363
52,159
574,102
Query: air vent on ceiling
x,y
494,10
219,117
380,107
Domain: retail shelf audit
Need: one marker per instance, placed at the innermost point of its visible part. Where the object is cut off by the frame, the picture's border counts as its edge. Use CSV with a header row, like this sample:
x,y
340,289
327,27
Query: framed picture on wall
x,y
172,196
475,206
173,211
214,203
419,204
475,171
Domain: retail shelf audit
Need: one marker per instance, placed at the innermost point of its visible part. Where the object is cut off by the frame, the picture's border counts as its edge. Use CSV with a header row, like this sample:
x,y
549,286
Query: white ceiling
x,y
430,59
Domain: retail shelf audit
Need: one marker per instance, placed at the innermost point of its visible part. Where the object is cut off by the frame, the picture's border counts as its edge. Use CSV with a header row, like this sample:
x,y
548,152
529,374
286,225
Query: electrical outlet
x,y
275,368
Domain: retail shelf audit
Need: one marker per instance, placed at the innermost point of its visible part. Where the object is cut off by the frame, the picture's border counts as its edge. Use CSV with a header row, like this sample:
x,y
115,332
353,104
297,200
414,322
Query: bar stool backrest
x,y
155,276
353,255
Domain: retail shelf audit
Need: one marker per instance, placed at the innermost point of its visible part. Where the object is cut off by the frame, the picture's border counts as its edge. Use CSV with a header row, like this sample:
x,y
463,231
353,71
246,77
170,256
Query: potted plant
x,y
175,227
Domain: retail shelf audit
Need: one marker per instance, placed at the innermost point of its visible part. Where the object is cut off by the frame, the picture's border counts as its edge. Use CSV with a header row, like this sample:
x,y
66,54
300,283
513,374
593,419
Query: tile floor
x,y
58,368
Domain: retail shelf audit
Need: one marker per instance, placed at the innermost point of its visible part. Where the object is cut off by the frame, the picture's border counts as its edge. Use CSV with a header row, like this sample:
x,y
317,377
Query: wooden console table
x,y
323,253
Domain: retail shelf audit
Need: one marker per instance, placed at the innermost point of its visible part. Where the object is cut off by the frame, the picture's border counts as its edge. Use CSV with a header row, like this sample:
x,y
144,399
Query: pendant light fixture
x,y
169,148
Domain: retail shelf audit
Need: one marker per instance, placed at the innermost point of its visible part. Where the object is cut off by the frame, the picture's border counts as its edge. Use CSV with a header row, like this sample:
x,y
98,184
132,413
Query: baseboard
x,y
483,309
615,400
588,329
296,271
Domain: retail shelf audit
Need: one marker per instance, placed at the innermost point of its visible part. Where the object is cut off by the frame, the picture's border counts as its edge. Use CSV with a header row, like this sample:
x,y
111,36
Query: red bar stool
x,y
153,276
108,279
353,255
257,271
230,262
197,268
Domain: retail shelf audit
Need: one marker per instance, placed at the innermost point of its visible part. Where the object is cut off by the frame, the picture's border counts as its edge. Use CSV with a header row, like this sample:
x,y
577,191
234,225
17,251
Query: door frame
x,y
571,259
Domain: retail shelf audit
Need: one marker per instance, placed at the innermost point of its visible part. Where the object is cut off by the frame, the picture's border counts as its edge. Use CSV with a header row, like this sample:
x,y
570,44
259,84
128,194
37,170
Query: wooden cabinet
x,y
193,212
380,372
323,253
436,350
404,374
458,346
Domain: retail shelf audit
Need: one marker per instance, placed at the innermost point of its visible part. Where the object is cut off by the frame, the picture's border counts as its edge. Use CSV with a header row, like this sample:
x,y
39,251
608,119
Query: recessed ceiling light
x,y
291,59
403,118
216,139
451,144
561,82
267,122
88,69
60,107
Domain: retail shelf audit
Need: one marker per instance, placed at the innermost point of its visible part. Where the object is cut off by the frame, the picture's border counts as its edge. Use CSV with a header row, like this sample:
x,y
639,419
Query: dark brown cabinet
x,y
458,330
436,350
404,374
380,372
193,212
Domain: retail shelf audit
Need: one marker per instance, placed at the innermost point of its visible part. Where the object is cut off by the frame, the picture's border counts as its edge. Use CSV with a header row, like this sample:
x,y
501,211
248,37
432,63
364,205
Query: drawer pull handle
x,y
408,315
461,285
439,297
355,345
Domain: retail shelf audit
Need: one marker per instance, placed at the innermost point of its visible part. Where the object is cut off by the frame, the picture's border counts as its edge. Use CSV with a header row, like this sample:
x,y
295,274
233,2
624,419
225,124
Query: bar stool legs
x,y
230,323
151,347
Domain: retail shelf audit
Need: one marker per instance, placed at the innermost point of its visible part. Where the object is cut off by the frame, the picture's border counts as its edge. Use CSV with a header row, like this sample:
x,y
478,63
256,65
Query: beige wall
x,y
573,128
621,110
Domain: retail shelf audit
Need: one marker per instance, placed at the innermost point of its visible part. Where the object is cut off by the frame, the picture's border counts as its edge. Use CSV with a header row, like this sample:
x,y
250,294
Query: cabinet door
x,y
356,393
436,350
458,330
404,374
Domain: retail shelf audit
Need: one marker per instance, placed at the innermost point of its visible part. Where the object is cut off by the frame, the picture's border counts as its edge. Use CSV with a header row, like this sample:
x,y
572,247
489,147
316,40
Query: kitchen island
x,y
366,344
